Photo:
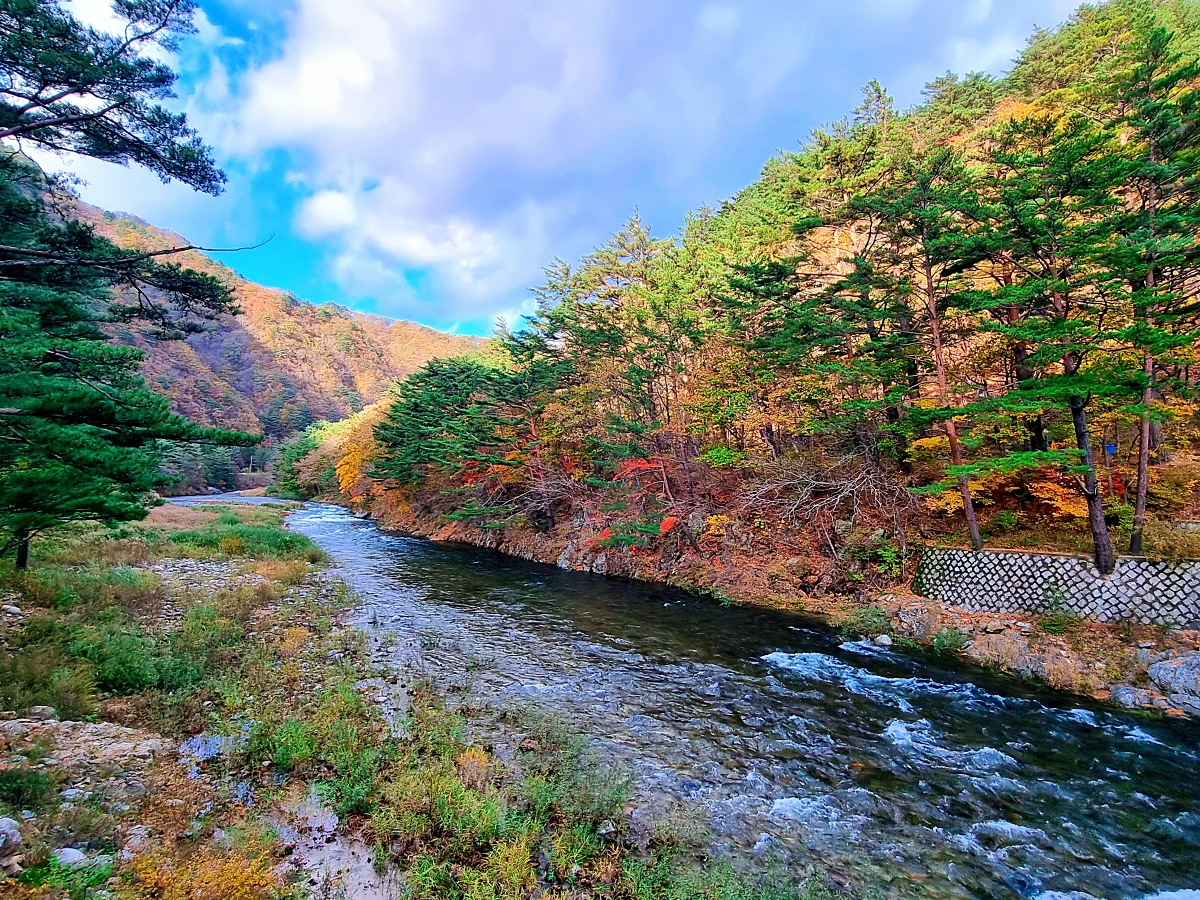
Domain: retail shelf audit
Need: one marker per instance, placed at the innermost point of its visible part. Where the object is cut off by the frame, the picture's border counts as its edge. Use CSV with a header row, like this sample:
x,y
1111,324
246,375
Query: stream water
x,y
910,776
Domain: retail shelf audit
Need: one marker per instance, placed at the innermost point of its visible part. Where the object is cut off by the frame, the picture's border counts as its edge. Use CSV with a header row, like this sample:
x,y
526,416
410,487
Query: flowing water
x,y
910,776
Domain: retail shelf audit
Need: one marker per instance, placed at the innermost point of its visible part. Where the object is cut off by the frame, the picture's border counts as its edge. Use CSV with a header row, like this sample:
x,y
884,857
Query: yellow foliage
x,y
1066,503
951,501
716,526
231,545
209,875
930,448
292,641
473,768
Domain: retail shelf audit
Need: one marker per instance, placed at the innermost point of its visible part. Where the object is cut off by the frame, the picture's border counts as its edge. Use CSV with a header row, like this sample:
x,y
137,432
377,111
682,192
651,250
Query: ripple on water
x,y
920,741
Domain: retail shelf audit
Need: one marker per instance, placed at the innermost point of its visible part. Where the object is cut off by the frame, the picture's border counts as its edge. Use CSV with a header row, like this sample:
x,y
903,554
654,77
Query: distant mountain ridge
x,y
281,364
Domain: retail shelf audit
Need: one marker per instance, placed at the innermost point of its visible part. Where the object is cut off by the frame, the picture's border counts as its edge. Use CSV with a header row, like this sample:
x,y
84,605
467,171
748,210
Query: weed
x,y
291,745
1057,619
256,541
76,881
948,642
867,621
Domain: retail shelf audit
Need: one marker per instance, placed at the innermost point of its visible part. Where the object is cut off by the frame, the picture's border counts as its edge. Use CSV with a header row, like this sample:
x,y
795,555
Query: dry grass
x,y
171,517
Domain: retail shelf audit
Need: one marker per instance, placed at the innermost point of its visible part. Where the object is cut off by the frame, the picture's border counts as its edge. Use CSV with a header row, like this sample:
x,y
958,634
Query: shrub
x,y
256,541
210,873
291,745
1006,520
77,881
25,788
721,457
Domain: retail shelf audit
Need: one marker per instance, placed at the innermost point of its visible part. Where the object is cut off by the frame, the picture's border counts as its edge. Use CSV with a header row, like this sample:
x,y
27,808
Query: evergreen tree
x,y
1156,247
82,433
1049,186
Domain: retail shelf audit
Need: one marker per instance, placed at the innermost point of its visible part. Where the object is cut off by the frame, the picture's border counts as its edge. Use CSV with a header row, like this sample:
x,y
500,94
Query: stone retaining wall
x,y
1165,593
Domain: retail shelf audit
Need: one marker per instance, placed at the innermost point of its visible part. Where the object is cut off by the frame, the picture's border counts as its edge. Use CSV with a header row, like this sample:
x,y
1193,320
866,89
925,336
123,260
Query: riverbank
x,y
191,714
1132,665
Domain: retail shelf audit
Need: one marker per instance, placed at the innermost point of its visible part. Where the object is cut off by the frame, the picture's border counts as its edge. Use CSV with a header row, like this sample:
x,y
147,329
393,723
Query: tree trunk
x,y
1143,468
964,486
1143,471
22,537
943,383
1106,560
1022,372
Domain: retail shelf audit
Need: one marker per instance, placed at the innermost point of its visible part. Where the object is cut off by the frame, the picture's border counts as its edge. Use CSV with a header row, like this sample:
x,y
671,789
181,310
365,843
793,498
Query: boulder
x,y
70,857
1180,675
43,713
10,836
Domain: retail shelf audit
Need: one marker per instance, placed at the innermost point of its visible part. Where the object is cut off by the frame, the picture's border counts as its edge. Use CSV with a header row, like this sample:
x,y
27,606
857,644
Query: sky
x,y
426,159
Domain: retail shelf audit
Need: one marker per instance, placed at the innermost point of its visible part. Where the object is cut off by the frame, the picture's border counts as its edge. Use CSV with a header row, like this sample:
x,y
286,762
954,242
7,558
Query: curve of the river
x,y
916,777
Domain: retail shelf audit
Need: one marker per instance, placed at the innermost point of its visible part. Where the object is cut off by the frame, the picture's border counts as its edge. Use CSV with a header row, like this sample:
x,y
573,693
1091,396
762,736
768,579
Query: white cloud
x,y
424,131
324,213
439,152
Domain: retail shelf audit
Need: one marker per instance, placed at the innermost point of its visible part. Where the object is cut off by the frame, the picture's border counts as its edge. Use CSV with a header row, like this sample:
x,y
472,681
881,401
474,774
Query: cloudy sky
x,y
424,159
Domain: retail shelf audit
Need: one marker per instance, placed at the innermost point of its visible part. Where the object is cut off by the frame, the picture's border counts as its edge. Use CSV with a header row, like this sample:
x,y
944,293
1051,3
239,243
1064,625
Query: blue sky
x,y
424,159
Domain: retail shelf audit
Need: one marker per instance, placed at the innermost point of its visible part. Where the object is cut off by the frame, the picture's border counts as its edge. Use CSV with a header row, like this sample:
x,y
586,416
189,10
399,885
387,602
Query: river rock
x,y
43,713
1180,675
918,620
883,640
10,836
70,857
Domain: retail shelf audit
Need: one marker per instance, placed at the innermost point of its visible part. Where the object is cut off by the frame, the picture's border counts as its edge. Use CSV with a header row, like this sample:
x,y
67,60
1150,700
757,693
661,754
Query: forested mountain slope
x,y
281,364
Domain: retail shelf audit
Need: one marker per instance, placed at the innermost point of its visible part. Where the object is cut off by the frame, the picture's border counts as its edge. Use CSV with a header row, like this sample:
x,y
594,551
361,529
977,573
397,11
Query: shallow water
x,y
911,777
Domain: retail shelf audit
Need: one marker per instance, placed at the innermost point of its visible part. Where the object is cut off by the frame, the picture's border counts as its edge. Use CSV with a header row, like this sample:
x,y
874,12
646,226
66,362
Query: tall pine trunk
x,y
1106,559
1143,467
943,383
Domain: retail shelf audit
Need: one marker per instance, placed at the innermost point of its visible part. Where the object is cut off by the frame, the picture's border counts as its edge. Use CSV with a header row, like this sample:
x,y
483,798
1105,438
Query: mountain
x,y
281,364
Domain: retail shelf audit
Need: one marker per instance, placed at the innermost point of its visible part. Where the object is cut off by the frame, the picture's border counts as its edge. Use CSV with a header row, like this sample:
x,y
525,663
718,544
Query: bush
x,y
25,788
721,457
1006,520
867,621
77,881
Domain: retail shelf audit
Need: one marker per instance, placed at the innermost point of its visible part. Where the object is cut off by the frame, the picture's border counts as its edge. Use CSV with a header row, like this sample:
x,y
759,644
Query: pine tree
x,y
82,435
1048,187
1156,246
918,214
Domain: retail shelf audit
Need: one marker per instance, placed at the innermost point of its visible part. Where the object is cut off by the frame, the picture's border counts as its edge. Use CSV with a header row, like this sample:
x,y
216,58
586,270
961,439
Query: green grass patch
x,y
255,541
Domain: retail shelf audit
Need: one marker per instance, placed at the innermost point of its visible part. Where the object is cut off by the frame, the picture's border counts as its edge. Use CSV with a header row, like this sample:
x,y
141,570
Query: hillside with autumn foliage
x,y
277,367
972,322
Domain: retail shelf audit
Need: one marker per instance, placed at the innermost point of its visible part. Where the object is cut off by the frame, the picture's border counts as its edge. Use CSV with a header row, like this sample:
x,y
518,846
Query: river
x,y
908,775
